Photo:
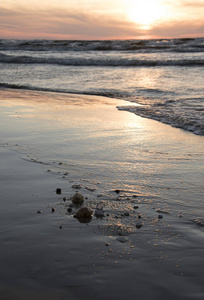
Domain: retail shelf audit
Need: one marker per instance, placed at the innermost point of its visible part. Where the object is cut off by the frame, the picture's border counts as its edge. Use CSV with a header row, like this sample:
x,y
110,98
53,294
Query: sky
x,y
101,19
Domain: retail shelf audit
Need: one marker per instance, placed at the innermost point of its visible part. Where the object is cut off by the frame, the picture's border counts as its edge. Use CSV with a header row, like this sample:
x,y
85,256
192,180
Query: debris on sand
x,y
90,188
122,239
58,191
78,198
76,186
84,213
162,211
99,213
139,225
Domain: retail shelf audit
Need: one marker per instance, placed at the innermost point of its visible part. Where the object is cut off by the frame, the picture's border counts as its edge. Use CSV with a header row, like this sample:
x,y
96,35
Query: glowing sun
x,y
146,12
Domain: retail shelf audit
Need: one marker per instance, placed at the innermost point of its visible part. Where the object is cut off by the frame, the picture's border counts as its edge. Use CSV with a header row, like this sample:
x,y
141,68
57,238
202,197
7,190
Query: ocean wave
x,y
107,93
155,45
102,61
190,123
189,120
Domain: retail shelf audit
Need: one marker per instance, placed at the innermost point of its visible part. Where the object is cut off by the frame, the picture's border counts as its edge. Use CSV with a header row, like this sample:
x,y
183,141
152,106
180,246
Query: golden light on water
x,y
146,12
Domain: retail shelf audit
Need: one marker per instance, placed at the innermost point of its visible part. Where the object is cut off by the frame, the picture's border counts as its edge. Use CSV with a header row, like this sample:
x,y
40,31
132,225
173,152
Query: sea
x,y
164,76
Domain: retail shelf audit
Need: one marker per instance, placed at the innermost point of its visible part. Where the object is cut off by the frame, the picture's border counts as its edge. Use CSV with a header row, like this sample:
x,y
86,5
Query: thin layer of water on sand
x,y
143,174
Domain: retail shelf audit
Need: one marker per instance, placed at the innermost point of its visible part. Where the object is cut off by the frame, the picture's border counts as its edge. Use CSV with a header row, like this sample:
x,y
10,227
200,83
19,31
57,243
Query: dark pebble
x,y
160,216
136,207
65,198
53,209
58,191
39,211
69,209
139,217
60,227
117,191
126,214
138,225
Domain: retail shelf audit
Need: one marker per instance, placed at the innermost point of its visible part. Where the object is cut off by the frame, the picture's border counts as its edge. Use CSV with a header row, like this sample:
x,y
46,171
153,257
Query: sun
x,y
145,12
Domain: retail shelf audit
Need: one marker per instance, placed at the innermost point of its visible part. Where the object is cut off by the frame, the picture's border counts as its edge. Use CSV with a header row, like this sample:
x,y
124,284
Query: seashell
x,y
83,212
78,198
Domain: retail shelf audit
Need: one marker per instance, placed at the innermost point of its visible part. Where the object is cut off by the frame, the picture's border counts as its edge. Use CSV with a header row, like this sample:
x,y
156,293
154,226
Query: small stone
x,y
78,198
134,196
76,186
69,209
122,239
136,207
126,214
64,199
90,189
60,227
53,209
139,217
58,191
99,213
83,212
160,216
162,211
39,211
117,191
139,225
107,244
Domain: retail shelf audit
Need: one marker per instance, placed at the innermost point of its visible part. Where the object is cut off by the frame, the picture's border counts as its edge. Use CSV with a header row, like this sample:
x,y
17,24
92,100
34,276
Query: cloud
x,y
64,23
81,23
179,28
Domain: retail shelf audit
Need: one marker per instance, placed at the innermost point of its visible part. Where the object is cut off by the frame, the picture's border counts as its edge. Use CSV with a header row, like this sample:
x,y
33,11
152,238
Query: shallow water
x,y
109,145
59,140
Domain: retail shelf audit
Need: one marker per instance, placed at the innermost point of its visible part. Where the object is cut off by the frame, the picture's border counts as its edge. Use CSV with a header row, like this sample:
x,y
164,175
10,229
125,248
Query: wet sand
x,y
51,141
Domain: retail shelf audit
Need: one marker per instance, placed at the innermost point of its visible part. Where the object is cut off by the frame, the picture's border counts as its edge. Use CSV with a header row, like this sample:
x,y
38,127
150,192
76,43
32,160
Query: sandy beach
x,y
147,177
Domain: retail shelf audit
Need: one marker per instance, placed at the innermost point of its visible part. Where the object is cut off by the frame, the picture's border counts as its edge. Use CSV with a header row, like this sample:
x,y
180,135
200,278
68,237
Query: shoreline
x,y
108,256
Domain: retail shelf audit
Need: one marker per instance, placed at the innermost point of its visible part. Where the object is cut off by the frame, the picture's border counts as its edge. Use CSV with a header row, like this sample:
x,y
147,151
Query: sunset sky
x,y
101,19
